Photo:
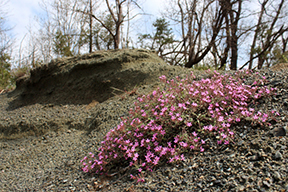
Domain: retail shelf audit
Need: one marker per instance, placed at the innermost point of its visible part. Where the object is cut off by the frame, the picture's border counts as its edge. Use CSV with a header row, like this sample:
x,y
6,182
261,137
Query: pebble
x,y
278,155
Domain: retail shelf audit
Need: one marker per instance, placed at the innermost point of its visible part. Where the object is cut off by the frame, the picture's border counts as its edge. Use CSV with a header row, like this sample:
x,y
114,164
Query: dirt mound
x,y
91,77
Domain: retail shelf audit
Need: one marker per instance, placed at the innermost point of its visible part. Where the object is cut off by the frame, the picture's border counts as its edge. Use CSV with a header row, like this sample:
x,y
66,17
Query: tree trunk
x,y
216,28
118,24
234,36
256,33
90,27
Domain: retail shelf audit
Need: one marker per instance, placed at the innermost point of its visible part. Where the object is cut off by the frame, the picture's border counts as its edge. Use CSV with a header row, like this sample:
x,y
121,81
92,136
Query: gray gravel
x,y
63,135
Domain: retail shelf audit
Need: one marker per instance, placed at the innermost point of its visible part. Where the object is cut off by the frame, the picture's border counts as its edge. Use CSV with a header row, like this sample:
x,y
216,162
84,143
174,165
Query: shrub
x,y
179,118
5,68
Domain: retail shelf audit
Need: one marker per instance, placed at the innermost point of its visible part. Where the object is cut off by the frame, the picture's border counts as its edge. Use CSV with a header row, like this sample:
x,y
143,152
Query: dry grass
x,y
280,67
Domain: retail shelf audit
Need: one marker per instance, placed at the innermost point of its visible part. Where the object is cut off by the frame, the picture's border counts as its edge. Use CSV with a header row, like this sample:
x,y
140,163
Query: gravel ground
x,y
64,134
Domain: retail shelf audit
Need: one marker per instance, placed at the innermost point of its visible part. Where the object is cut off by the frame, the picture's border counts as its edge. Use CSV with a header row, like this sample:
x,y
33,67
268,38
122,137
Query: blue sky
x,y
22,14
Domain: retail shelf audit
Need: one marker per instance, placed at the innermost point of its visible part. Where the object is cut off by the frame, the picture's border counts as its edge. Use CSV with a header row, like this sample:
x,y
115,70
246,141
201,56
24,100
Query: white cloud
x,y
21,14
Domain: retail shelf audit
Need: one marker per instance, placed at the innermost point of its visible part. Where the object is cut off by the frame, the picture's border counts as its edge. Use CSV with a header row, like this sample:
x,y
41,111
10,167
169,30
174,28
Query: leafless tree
x,y
200,23
269,29
116,11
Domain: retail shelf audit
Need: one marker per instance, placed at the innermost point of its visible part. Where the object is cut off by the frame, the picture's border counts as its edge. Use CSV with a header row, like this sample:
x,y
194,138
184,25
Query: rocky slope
x,y
61,112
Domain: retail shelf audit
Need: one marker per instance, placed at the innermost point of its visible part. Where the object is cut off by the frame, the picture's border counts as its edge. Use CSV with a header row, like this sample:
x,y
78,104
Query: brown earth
x,y
280,67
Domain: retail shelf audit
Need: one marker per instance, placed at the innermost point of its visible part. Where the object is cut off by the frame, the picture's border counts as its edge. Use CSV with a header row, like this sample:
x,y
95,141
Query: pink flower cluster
x,y
166,123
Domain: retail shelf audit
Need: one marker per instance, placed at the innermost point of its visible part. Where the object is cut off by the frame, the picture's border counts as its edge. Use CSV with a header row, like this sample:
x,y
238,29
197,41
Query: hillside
x,y
62,111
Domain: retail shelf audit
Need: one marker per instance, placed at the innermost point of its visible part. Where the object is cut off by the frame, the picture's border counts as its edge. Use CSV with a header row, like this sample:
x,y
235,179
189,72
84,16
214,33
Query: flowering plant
x,y
179,118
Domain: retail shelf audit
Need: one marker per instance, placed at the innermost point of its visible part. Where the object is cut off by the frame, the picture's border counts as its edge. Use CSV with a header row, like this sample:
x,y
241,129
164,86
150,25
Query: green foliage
x,y
103,39
19,72
162,37
163,34
277,55
62,44
5,68
285,58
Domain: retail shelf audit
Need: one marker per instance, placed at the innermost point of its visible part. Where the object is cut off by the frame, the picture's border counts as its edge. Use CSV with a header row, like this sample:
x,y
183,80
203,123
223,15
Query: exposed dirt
x,y
97,76
65,92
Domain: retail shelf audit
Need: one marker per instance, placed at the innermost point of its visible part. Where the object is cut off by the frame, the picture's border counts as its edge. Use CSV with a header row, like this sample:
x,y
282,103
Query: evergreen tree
x,y
5,68
160,40
62,44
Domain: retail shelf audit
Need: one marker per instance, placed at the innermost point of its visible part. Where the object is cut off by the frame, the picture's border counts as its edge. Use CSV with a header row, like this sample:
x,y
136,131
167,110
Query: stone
x,y
278,155
279,131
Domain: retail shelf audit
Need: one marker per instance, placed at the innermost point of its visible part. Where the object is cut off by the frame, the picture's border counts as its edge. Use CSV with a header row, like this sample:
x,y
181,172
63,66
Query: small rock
x,y
267,184
240,142
217,182
277,176
279,131
255,157
241,188
278,155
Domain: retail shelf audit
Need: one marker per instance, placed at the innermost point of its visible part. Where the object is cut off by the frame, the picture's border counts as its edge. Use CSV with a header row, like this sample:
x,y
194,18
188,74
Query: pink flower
x,y
221,118
163,78
164,151
183,144
194,104
194,134
172,108
147,158
140,180
201,149
135,157
176,139
229,119
173,118
156,159
182,157
189,124
176,157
